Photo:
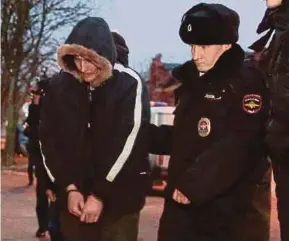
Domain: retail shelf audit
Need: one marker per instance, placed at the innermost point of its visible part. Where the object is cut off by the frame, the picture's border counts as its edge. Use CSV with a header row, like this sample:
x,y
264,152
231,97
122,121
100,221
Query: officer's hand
x,y
180,198
51,195
75,203
92,210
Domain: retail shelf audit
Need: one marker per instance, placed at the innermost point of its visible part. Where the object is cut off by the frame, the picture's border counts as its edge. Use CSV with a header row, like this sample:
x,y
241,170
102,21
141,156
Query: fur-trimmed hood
x,y
91,39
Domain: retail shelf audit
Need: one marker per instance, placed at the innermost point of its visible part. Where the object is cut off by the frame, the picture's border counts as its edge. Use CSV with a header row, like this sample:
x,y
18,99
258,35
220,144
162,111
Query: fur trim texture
x,y
66,52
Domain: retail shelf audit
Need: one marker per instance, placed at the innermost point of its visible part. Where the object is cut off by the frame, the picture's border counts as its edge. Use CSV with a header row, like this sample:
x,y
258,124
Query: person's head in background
x,y
121,48
37,89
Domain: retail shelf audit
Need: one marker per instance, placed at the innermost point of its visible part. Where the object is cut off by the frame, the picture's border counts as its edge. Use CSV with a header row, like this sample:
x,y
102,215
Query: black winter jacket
x,y
217,150
35,157
32,130
278,82
96,138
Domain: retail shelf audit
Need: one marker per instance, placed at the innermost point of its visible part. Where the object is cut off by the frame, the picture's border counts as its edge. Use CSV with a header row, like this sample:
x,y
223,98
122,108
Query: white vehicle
x,y
161,115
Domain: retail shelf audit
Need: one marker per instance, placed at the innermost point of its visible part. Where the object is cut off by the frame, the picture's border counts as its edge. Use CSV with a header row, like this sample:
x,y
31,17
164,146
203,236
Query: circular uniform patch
x,y
252,103
204,127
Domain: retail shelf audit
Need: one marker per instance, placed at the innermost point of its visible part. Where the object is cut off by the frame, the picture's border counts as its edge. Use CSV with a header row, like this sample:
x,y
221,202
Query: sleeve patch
x,y
252,103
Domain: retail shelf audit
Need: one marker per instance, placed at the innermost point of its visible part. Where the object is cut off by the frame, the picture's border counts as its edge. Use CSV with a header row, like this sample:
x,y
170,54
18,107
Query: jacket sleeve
x,y
43,178
58,138
33,114
127,129
30,117
160,139
217,169
224,163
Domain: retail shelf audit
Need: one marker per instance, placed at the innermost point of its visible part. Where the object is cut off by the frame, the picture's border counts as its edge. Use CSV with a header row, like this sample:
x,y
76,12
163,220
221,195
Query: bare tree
x,y
27,44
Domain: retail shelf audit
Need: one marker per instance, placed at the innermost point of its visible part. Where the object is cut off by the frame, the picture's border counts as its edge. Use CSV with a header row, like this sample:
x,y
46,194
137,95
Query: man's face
x,y
36,99
206,56
87,69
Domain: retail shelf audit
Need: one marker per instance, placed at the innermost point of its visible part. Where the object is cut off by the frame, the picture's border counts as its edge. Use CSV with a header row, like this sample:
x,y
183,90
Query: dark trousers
x,y
42,206
124,228
175,223
30,172
278,143
54,222
281,177
257,221
34,156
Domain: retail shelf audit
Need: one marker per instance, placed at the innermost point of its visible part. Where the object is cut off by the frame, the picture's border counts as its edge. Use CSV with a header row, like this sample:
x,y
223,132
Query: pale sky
x,y
151,26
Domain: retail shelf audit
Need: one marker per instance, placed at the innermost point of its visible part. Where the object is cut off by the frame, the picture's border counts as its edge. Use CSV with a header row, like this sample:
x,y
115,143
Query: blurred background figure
x,y
276,67
44,187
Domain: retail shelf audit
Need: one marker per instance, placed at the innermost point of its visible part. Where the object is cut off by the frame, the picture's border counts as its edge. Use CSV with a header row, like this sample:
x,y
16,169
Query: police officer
x,y
217,155
276,20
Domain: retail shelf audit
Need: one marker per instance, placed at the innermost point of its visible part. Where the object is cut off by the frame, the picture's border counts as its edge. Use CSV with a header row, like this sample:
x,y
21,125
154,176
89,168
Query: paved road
x,y
19,221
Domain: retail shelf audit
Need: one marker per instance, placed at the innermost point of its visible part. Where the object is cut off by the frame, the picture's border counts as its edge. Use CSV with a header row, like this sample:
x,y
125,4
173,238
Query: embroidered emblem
x,y
212,97
204,127
189,28
252,103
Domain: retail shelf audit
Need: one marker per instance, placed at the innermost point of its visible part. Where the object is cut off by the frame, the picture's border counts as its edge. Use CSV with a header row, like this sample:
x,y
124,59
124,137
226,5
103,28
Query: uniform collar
x,y
227,65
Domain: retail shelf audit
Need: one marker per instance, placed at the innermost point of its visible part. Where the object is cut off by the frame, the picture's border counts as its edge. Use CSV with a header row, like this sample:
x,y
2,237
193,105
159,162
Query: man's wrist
x,y
95,197
70,188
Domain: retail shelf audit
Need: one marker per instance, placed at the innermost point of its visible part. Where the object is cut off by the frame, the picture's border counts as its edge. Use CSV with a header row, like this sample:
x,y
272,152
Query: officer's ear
x,y
273,3
226,47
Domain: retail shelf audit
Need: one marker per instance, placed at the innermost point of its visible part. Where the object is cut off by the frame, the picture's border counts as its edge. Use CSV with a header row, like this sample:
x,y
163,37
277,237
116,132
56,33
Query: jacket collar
x,y
226,66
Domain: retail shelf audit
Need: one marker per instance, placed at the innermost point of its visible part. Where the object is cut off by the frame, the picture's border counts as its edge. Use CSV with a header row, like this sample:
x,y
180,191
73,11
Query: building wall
x,y
159,79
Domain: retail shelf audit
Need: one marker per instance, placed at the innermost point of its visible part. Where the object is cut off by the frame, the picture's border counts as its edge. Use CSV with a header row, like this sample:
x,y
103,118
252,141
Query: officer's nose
x,y
196,52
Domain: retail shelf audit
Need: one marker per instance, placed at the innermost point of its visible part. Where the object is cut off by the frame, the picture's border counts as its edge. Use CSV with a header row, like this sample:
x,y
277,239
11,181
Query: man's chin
x,y
203,69
88,79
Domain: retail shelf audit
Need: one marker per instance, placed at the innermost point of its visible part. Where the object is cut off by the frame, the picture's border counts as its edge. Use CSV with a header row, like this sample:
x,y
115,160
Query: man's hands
x,y
180,198
88,212
92,210
75,200
75,203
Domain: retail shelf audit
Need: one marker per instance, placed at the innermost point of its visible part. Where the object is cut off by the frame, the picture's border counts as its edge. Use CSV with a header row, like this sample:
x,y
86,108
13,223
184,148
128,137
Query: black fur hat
x,y
208,24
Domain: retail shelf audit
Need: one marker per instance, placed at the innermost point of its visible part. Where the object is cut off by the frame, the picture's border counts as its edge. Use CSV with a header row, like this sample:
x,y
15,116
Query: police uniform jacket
x,y
216,142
